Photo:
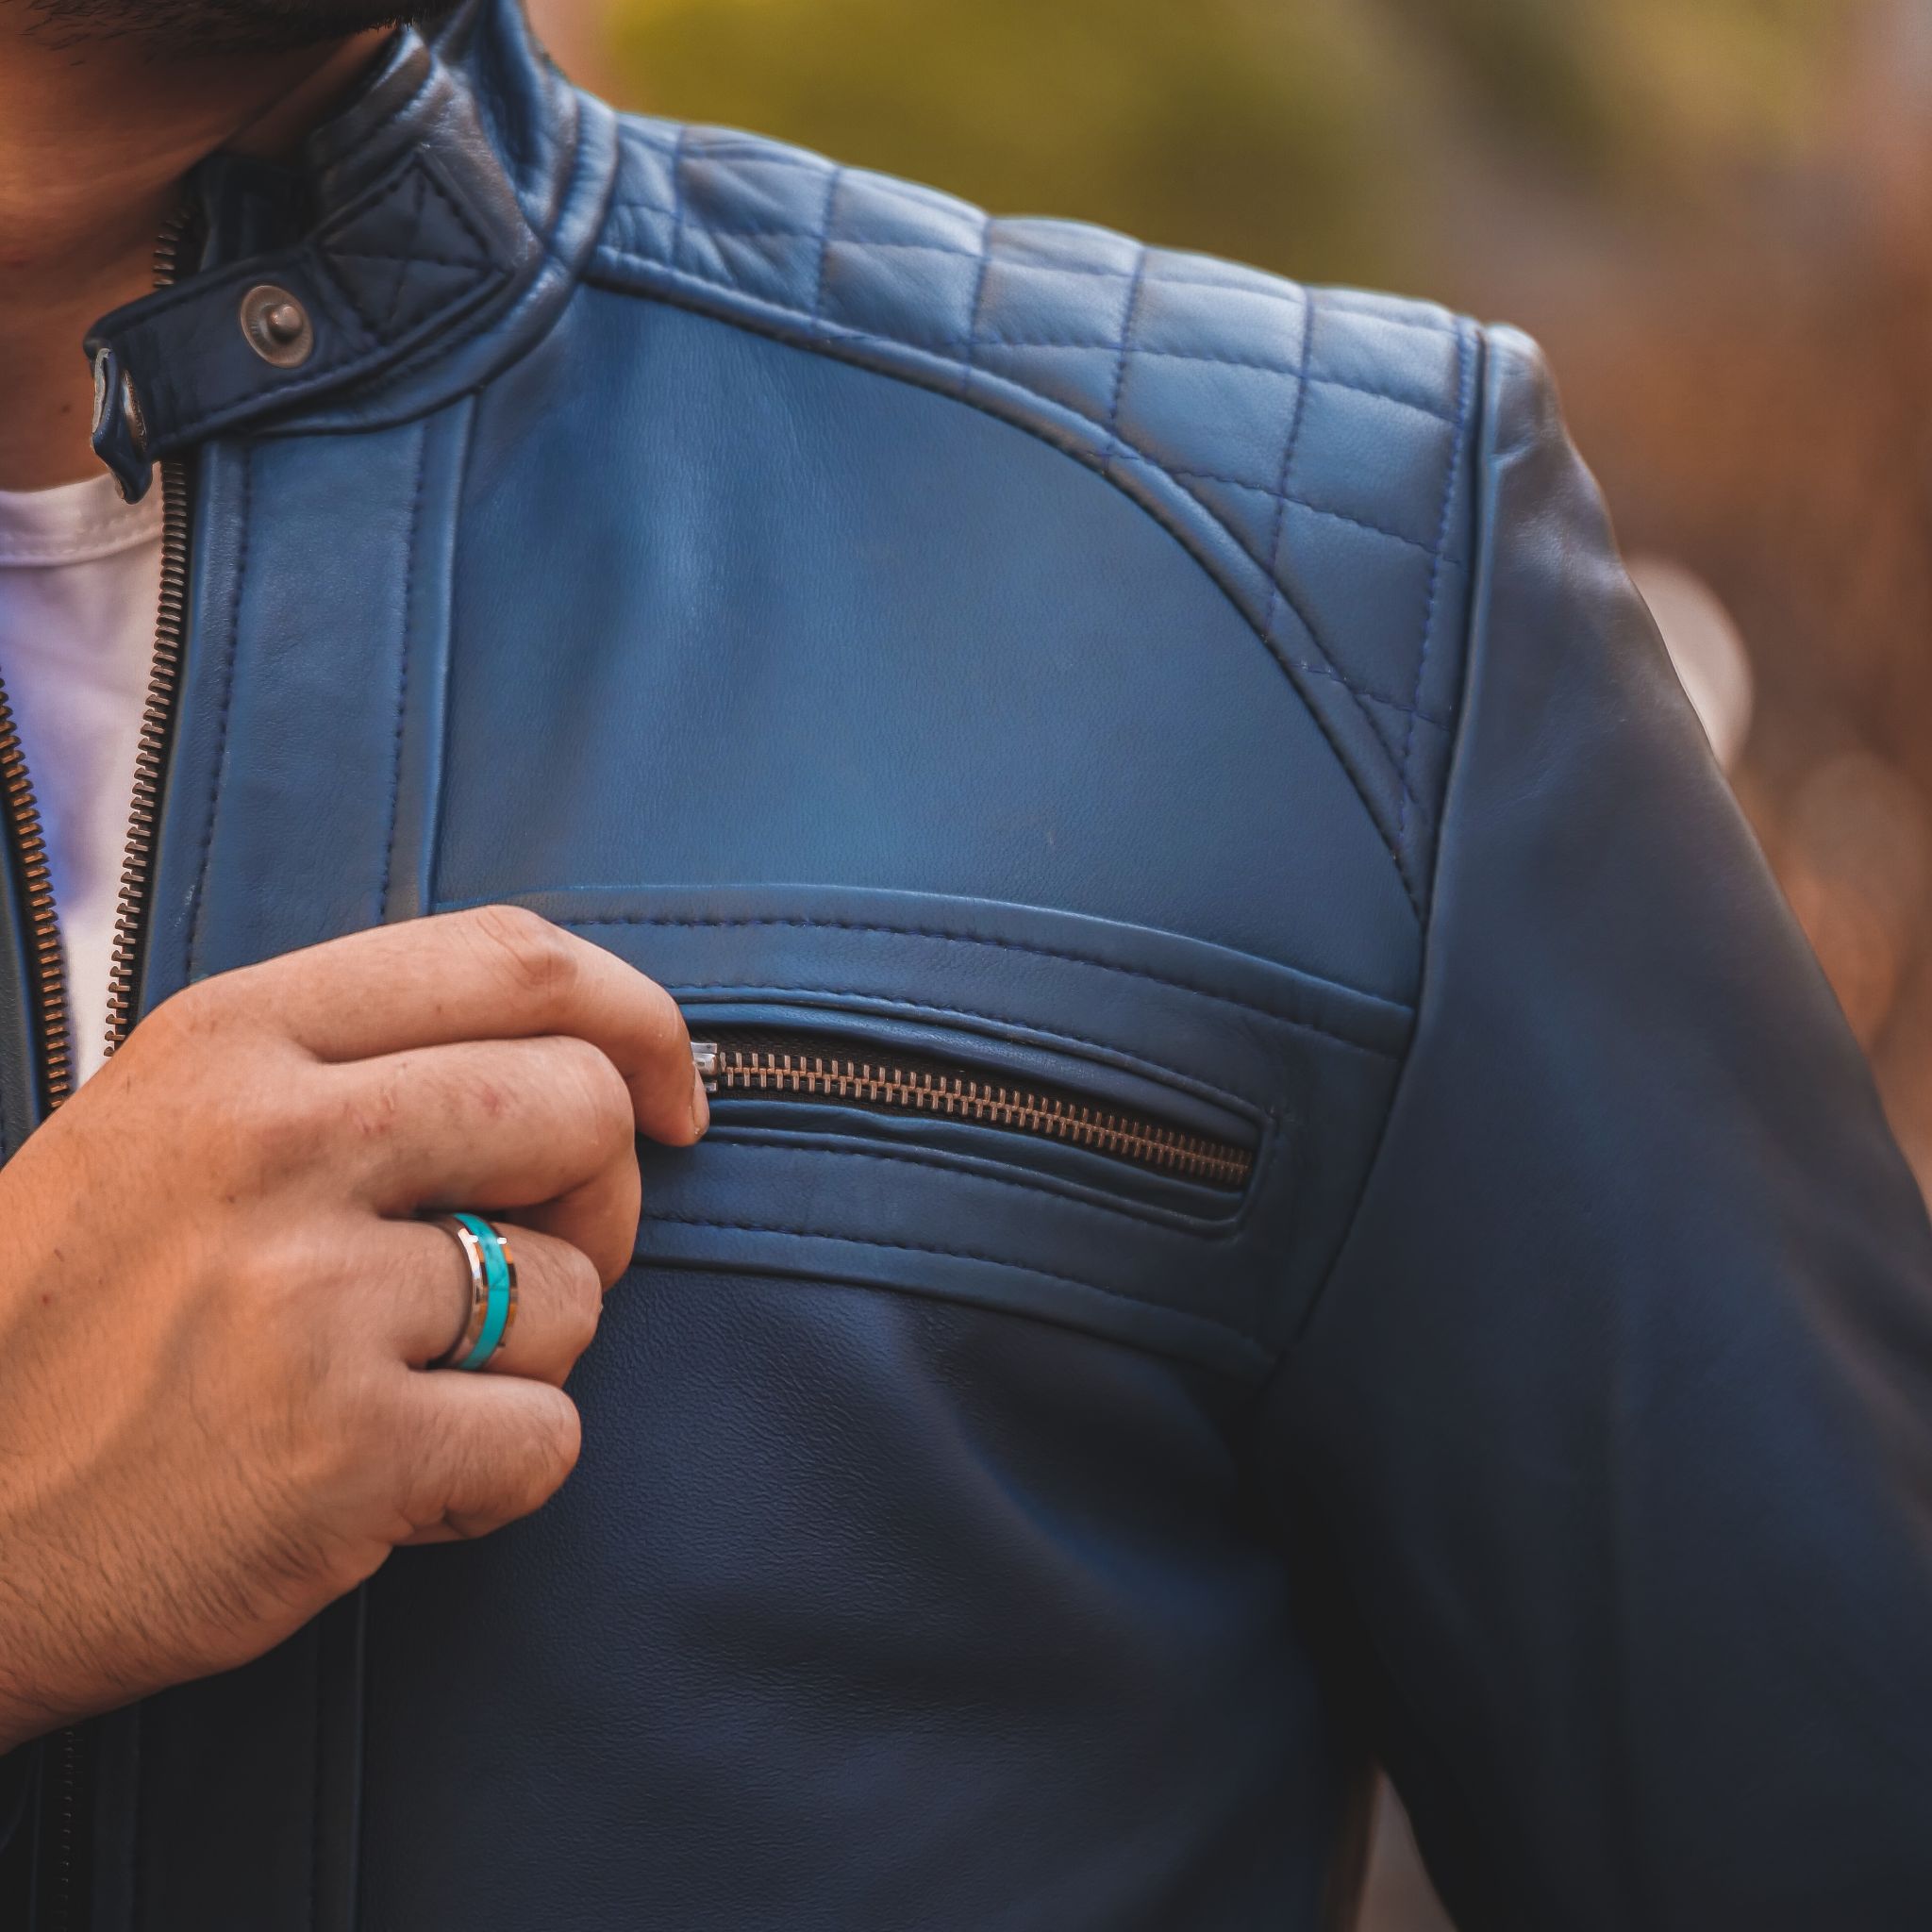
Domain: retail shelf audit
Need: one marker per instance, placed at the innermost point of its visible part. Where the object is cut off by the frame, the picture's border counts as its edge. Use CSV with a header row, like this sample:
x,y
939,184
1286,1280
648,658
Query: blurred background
x,y
1716,214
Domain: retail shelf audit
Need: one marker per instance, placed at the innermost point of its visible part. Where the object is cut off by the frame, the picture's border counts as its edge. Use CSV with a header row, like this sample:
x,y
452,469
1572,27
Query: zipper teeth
x,y
150,752
750,1069
49,963
158,711
67,1826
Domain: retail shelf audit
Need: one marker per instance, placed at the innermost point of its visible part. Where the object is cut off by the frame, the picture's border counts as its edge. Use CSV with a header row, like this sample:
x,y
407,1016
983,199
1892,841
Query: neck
x,y
94,140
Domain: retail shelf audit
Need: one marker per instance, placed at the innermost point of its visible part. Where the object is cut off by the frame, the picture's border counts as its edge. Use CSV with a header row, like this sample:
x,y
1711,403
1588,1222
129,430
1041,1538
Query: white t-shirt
x,y
81,577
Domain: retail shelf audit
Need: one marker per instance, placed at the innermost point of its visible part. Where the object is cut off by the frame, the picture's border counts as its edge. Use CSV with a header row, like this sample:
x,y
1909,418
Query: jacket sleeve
x,y
1613,1418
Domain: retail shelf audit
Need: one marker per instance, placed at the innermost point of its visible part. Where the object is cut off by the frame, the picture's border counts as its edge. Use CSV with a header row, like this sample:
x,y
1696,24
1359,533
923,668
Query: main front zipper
x,y
64,1840
157,712
23,810
768,1065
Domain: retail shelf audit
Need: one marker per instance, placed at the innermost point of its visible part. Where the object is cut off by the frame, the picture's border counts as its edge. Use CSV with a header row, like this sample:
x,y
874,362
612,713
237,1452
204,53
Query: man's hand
x,y
216,1300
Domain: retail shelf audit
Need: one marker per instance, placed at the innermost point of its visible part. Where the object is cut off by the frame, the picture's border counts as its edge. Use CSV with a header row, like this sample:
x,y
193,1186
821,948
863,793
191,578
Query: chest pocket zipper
x,y
768,1065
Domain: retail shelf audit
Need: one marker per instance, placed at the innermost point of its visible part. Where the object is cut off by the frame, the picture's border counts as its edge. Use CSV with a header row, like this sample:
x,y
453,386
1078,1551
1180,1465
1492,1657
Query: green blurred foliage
x,y
1638,90
1333,116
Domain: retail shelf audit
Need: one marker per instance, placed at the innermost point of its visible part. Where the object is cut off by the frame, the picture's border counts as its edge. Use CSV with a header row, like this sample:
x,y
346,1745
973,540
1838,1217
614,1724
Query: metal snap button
x,y
276,326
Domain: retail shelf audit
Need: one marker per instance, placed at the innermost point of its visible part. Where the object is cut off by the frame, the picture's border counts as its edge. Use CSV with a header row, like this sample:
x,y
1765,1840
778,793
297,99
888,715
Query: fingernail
x,y
700,1106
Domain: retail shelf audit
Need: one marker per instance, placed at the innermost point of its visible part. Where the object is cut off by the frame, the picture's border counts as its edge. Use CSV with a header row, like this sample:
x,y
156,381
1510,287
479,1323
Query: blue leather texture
x,y
1136,673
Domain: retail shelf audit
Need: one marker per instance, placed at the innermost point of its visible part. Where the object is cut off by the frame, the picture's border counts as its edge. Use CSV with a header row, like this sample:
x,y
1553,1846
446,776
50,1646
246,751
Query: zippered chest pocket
x,y
1030,1108
1127,1131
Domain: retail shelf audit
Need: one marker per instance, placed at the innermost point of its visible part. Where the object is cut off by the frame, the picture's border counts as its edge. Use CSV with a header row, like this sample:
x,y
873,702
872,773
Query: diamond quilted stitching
x,y
883,213
1163,404
1032,304
1193,320
1343,457
407,256
770,207
1071,247
1319,430
1383,588
909,295
770,265
1081,380
1395,360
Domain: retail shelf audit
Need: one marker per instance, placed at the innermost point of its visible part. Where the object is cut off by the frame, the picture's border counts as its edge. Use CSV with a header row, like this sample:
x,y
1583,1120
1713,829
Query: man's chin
x,y
186,28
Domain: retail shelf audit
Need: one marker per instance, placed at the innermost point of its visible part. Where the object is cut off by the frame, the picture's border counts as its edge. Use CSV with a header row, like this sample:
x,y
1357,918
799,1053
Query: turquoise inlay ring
x,y
492,1291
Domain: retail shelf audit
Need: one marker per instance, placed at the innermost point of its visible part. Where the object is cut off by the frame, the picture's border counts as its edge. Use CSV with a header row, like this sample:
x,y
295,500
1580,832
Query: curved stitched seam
x,y
207,834
395,786
1301,503
966,939
1386,730
811,1234
1421,657
834,338
958,345
1279,525
1228,1230
1481,385
676,289
1112,1053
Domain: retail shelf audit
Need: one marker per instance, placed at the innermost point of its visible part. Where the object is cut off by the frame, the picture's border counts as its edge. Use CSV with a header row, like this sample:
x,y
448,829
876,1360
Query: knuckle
x,y
371,1111
183,1019
536,957
600,1099
278,1126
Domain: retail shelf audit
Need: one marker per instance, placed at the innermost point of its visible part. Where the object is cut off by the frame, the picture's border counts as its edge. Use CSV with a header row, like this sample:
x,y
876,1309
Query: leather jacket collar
x,y
428,232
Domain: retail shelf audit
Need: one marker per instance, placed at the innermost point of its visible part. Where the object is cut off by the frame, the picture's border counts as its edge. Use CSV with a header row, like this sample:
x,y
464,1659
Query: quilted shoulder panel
x,y
1311,448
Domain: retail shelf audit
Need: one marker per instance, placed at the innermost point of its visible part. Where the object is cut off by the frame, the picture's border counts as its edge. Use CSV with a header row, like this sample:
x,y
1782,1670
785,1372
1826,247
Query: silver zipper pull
x,y
703,1057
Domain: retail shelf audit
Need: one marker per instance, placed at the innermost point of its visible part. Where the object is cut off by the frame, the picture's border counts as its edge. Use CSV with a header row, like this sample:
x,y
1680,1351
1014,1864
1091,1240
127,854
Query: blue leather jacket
x,y
1493,1332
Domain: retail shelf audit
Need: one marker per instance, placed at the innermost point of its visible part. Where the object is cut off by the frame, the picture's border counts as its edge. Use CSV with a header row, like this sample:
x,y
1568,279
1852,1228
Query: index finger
x,y
493,973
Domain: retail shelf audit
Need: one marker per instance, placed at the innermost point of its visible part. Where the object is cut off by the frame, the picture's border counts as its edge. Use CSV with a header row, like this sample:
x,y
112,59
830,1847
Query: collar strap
x,y
421,230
